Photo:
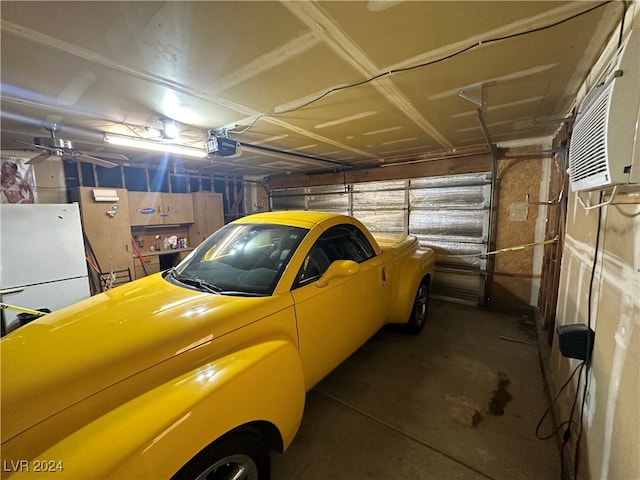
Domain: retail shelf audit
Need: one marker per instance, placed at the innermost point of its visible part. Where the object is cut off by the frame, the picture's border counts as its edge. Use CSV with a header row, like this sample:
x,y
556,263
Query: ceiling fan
x,y
57,148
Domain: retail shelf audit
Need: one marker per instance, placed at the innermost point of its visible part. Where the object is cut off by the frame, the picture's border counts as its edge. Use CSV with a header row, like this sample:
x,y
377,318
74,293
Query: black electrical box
x,y
576,341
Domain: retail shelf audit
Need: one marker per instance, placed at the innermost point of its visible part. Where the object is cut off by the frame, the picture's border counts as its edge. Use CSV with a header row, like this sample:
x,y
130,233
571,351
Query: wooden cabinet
x,y
208,216
155,263
107,227
151,263
155,208
179,207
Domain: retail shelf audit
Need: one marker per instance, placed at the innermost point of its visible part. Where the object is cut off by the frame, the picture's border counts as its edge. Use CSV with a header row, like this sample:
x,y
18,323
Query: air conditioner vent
x,y
605,138
588,159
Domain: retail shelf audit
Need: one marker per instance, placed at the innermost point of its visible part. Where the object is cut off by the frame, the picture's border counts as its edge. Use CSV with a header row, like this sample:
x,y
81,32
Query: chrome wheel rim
x,y
232,467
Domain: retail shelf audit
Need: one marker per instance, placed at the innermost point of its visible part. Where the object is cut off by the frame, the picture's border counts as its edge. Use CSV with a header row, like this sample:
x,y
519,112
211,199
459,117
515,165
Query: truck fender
x,y
415,268
155,434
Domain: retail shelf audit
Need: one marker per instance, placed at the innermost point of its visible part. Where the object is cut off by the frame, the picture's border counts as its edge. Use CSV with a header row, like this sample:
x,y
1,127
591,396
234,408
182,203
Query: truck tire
x,y
420,309
241,454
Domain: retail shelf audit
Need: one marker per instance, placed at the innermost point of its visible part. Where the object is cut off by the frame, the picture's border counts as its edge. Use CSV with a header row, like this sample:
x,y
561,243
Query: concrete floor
x,y
460,400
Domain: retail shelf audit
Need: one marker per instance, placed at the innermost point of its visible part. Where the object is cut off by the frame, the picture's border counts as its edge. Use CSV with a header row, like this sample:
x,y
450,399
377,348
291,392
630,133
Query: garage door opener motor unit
x,y
605,143
218,143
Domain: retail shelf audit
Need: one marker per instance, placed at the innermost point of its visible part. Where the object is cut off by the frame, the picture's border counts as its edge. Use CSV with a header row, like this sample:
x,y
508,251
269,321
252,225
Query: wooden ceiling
x,y
304,85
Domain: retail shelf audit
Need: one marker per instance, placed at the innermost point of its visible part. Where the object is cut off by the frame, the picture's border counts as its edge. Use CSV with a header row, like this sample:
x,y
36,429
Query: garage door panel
x,y
454,286
329,202
450,214
290,199
466,197
373,200
374,195
458,225
460,255
333,198
449,181
382,221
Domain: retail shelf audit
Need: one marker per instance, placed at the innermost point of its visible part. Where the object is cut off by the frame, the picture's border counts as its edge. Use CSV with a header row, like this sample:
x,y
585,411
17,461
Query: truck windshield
x,y
240,259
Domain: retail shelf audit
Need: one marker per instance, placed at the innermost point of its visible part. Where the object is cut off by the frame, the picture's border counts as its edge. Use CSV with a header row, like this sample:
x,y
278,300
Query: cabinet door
x,y
178,208
208,216
152,264
108,229
145,208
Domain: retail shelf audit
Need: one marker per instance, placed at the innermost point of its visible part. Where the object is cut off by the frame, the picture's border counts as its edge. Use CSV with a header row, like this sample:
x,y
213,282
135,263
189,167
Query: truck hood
x,y
64,357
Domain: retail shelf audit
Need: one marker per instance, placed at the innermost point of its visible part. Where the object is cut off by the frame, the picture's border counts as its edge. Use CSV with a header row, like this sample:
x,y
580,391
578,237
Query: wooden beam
x,y
418,169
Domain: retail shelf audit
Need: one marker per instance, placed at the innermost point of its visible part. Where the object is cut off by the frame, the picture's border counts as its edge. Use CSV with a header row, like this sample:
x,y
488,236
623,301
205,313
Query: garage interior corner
x,y
460,400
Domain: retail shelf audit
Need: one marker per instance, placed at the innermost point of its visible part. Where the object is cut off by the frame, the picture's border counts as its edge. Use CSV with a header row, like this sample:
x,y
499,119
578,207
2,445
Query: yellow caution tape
x,y
6,306
522,247
506,249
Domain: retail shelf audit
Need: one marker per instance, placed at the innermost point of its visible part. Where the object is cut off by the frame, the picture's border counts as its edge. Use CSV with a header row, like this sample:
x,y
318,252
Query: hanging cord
x,y
567,433
389,73
548,410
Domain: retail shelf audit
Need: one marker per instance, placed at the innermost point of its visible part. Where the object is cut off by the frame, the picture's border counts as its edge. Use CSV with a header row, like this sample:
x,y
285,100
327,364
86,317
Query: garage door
x,y
449,214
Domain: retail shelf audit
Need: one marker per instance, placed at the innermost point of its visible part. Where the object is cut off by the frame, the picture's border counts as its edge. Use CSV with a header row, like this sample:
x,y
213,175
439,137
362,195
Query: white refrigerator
x,y
42,258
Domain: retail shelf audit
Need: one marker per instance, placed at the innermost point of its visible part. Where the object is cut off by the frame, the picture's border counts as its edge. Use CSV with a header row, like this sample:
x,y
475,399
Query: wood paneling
x,y
107,228
208,216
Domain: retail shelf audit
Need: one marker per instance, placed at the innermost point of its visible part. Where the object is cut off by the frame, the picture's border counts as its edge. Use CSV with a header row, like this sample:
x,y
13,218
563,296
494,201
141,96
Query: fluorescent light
x,y
154,146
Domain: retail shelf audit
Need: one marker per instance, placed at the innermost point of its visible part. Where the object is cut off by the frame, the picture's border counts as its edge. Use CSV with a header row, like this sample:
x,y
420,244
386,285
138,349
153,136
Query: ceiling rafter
x,y
332,34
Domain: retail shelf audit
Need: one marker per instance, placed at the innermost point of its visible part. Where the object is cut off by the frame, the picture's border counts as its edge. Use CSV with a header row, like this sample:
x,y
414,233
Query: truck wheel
x,y
240,455
419,311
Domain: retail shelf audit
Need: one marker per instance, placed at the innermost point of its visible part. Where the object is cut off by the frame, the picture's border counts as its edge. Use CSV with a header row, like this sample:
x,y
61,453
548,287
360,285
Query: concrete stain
x,y
475,419
527,326
501,396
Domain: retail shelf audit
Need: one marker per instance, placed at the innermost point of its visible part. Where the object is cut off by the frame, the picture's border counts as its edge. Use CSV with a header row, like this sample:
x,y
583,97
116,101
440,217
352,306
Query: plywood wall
x,y
517,194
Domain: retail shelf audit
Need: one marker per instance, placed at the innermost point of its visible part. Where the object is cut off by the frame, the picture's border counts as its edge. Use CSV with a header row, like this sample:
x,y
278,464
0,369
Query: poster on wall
x,y
18,181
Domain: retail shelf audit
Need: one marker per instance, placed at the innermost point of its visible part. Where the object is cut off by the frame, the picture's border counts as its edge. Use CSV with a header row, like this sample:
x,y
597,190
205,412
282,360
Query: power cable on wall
x,y
422,65
569,422
585,390
583,367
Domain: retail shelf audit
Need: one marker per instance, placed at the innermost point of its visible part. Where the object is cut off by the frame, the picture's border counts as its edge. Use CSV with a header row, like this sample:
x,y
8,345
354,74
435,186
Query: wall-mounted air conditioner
x,y
605,142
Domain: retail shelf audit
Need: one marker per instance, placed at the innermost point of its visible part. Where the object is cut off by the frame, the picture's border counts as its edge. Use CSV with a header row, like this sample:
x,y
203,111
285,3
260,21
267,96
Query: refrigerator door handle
x,y
11,290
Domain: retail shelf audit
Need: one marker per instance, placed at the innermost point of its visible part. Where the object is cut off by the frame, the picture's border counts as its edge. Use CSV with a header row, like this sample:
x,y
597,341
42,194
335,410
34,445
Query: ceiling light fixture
x,y
154,146
169,129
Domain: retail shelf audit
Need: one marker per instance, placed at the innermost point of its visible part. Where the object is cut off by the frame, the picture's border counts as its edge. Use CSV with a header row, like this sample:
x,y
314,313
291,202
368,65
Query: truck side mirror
x,y
339,268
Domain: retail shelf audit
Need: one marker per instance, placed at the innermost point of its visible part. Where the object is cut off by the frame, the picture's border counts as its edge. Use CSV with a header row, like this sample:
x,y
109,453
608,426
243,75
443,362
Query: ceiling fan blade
x,y
95,160
26,154
39,158
31,144
111,156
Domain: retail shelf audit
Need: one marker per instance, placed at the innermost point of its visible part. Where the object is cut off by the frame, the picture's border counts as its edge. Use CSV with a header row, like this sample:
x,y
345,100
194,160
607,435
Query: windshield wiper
x,y
195,282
